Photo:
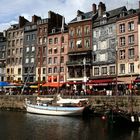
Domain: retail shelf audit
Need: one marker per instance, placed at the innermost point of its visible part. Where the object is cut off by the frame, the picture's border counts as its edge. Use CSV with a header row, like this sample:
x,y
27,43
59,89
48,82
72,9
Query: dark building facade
x,y
29,50
2,56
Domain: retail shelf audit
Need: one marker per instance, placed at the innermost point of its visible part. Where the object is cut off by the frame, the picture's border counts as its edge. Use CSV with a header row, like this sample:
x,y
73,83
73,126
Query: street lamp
x,y
85,77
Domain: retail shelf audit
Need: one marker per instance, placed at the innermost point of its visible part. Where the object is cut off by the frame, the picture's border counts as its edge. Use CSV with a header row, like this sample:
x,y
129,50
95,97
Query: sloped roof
x,y
111,16
85,16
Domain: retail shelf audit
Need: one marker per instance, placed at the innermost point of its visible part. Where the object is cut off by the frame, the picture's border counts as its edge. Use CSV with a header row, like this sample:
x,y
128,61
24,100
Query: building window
x,y
27,60
50,51
131,53
33,48
44,39
62,59
71,33
55,50
122,28
55,60
44,71
55,40
71,44
61,69
26,70
50,41
27,49
131,67
86,30
96,71
122,41
94,57
49,70
40,40
62,39
131,26
50,60
104,70
122,54
27,37
112,70
78,31
131,39
19,71
62,49
122,68
87,43
94,47
32,60
33,37
79,44
55,70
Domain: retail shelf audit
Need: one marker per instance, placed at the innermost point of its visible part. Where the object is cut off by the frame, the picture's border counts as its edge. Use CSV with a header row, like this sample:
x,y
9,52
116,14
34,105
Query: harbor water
x,y
25,126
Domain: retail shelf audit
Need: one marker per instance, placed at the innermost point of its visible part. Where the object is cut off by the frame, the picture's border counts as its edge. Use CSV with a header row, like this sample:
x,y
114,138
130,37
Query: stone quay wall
x,y
17,102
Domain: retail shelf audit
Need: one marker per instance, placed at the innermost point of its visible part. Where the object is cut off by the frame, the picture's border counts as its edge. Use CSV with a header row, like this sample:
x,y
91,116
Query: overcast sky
x,y
11,10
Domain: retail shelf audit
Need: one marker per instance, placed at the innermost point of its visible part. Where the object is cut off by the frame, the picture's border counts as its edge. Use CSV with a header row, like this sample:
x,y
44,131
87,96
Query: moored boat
x,y
54,109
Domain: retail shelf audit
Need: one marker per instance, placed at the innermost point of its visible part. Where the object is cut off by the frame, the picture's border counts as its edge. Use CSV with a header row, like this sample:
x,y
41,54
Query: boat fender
x,y
139,119
132,118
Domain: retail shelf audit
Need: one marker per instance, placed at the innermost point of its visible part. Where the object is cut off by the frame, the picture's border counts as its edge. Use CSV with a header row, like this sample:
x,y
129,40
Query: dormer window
x,y
79,18
103,21
53,30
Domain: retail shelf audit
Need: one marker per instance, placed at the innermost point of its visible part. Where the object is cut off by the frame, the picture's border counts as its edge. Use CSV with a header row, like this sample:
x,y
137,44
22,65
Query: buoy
x,y
103,118
132,118
139,119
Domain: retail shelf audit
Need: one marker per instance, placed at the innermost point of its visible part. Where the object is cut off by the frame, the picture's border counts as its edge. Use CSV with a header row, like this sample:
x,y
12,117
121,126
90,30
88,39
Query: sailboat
x,y
59,107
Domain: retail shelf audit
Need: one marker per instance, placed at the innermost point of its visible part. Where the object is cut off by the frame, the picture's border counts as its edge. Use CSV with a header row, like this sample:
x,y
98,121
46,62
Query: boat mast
x,y
39,72
61,38
116,82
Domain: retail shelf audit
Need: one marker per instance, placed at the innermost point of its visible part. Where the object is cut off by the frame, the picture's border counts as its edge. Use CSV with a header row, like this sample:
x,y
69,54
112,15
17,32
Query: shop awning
x,y
34,86
52,84
98,81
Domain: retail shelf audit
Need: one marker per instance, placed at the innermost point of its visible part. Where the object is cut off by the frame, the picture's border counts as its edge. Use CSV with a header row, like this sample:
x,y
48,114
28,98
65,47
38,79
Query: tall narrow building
x,y
14,51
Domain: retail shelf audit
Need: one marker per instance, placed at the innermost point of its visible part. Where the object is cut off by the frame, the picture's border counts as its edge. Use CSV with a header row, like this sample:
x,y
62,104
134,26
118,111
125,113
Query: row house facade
x,y
2,56
29,50
127,46
57,56
104,42
44,27
14,50
95,45
79,48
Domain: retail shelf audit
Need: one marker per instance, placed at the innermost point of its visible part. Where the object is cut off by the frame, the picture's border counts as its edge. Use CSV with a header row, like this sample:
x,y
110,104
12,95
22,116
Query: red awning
x,y
136,81
52,84
98,81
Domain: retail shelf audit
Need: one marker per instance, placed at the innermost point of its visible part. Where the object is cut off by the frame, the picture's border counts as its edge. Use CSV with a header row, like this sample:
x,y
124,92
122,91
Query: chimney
x,y
101,8
22,21
94,8
35,18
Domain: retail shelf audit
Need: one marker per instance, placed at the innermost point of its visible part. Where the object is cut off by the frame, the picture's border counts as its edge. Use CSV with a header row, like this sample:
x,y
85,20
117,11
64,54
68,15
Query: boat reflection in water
x,y
26,126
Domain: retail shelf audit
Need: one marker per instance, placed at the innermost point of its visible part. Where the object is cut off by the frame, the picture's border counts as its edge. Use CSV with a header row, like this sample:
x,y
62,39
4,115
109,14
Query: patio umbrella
x,y
2,84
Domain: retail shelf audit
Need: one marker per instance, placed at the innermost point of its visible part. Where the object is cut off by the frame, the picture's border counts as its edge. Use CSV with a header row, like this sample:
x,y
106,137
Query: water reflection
x,y
24,126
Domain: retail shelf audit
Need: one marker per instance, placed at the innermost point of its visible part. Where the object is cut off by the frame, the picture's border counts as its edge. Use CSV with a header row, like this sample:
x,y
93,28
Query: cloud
x,y
10,11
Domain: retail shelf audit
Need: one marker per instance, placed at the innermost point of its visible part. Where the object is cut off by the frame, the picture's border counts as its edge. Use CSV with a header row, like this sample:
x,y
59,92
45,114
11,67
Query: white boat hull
x,y
54,110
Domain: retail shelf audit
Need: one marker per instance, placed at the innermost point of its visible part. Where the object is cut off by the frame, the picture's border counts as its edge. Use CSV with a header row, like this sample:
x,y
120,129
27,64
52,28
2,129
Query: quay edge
x,y
16,102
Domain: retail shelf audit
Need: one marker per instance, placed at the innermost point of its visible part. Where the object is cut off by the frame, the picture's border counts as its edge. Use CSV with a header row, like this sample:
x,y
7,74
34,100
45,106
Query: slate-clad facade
x,y
104,42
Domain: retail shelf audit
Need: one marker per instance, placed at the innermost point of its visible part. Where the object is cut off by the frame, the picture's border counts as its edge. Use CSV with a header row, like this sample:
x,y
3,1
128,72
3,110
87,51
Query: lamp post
x,y
85,77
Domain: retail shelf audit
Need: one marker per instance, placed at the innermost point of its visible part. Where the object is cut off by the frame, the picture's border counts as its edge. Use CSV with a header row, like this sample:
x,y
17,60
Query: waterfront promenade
x,y
16,102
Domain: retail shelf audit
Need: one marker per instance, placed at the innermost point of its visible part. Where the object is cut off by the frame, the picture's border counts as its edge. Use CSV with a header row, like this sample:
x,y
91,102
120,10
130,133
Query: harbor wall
x,y
16,102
